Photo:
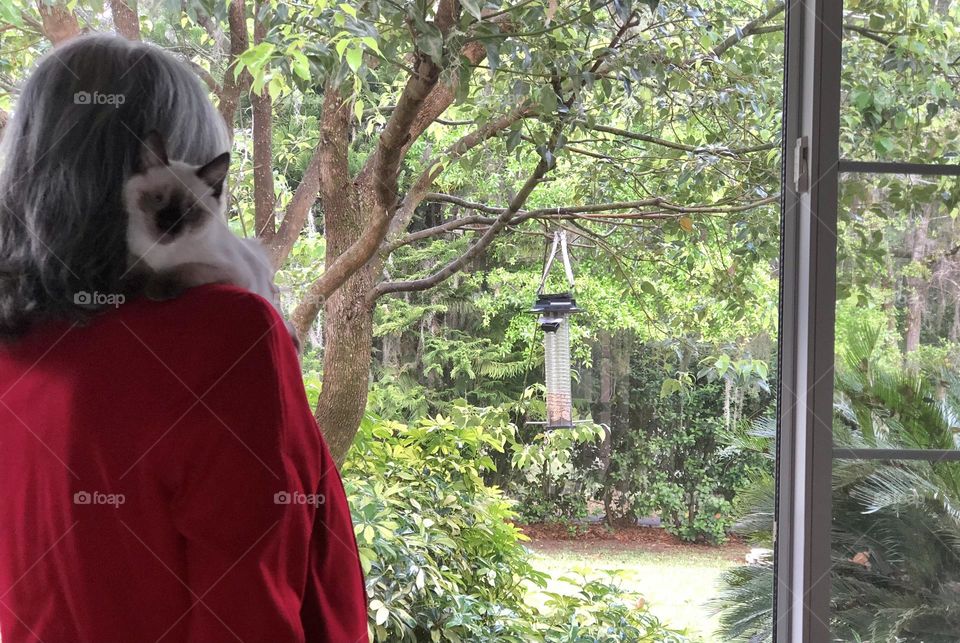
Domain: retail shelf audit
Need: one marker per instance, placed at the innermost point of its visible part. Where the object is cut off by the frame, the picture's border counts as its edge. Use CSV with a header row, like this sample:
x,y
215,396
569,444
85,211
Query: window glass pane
x,y
896,551
898,312
900,80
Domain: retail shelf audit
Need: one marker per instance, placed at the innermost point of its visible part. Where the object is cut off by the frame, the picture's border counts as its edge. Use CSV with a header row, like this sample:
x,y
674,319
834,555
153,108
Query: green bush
x,y
443,560
676,456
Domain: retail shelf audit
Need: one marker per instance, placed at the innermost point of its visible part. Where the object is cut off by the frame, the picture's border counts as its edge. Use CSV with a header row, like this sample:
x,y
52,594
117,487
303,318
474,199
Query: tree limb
x,y
297,210
866,33
443,94
658,202
693,149
478,247
205,76
379,174
746,30
59,23
436,166
596,212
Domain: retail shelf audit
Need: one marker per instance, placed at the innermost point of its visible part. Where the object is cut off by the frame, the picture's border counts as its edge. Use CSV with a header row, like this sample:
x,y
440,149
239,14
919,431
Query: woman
x,y
162,476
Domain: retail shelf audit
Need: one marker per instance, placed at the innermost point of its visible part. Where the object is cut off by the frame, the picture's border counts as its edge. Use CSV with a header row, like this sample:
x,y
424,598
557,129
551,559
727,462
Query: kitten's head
x,y
167,199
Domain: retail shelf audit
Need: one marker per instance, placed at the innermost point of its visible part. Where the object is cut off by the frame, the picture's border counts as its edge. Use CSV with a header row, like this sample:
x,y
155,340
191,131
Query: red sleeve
x,y
268,534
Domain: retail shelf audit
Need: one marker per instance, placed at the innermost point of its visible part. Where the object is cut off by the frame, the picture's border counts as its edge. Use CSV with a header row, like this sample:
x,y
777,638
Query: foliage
x,y
896,524
436,543
552,483
677,458
442,558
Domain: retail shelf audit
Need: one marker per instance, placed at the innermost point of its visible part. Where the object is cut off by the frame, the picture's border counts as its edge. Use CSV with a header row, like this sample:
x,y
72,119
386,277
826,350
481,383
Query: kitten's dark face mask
x,y
177,198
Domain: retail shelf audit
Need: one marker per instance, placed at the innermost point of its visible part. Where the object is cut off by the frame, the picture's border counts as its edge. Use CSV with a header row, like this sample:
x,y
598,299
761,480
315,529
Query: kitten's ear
x,y
215,172
153,153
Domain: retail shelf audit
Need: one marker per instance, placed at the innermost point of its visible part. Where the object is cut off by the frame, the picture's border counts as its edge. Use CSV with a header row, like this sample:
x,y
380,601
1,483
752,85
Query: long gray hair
x,y
72,141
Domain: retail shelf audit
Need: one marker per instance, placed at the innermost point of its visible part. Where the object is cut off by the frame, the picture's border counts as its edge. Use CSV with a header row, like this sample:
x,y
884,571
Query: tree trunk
x,y
347,326
916,286
125,19
955,326
606,417
348,329
392,344
606,394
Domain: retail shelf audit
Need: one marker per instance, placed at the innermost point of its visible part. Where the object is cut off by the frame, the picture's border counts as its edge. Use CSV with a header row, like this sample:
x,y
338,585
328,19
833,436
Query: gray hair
x,y
72,141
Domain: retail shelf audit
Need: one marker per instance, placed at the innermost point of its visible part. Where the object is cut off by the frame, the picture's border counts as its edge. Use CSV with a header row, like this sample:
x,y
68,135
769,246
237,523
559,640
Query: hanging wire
x,y
559,244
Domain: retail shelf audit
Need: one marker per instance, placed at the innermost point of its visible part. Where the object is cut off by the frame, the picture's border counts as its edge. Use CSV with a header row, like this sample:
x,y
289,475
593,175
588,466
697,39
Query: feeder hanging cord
x,y
559,242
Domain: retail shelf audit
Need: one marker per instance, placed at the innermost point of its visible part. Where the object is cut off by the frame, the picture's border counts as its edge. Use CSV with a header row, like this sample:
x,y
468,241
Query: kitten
x,y
177,232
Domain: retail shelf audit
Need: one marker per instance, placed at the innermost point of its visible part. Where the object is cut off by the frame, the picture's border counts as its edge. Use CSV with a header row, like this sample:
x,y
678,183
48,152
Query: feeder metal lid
x,y
559,303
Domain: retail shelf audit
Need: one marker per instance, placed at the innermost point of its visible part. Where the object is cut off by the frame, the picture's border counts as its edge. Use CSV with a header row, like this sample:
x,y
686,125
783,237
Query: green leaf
x,y
670,386
10,13
354,57
472,6
300,65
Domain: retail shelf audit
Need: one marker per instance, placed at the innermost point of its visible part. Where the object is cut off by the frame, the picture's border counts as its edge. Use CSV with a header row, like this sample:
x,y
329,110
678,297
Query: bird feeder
x,y
554,312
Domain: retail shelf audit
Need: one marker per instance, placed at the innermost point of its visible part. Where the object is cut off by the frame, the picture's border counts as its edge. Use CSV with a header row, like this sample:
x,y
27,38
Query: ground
x,y
675,579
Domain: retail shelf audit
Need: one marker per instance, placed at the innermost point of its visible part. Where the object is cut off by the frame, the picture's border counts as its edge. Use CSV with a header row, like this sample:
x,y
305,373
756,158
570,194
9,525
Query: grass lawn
x,y
675,583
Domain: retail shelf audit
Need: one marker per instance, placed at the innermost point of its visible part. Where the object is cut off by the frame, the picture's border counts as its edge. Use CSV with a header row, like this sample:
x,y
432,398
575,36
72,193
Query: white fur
x,y
244,260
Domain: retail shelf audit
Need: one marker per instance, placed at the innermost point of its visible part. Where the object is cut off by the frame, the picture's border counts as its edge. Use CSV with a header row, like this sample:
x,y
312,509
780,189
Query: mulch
x,y
597,537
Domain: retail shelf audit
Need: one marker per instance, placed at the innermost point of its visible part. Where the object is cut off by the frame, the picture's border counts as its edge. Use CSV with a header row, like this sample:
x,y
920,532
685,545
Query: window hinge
x,y
801,165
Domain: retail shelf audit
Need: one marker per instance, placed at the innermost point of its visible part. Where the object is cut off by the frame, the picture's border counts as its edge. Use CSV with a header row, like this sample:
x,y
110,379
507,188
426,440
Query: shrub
x,y
676,455
443,560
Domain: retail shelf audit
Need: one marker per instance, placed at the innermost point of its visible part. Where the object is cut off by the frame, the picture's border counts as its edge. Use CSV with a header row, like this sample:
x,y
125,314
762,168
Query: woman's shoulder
x,y
214,307
210,320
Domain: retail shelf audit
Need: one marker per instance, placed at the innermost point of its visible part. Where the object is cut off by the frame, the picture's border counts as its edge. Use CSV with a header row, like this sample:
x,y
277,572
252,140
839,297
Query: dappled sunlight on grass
x,y
675,585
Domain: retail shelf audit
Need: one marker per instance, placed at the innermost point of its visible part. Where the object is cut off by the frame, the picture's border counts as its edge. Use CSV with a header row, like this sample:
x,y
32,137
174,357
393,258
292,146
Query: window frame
x,y
811,173
807,301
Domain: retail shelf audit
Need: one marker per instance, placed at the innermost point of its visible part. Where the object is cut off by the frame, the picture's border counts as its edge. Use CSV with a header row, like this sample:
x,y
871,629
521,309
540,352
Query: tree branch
x,y
478,247
866,33
295,216
658,202
693,149
59,23
205,76
211,27
747,30
437,165
595,212
443,94
378,178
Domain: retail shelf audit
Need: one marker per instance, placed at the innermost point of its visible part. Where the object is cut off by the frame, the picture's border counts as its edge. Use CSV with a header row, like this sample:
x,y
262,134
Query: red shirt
x,y
162,478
